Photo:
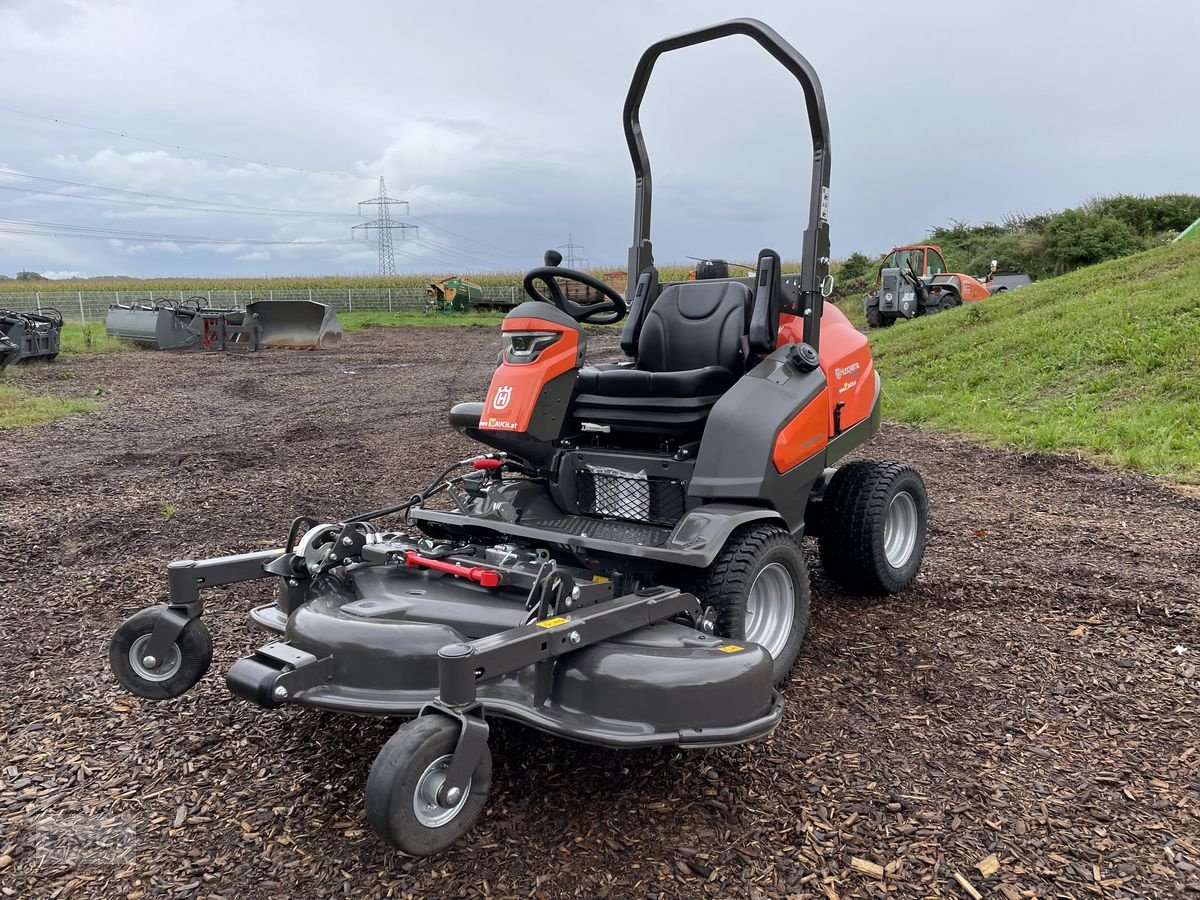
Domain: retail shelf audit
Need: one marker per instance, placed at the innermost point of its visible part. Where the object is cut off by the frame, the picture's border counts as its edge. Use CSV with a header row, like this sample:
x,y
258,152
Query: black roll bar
x,y
815,266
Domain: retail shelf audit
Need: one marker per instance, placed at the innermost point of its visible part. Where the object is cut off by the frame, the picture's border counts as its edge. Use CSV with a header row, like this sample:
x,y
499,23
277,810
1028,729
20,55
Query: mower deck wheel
x,y
875,518
184,665
402,788
758,587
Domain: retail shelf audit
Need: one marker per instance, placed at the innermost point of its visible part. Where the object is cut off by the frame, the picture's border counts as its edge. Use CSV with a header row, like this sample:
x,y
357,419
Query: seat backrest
x,y
696,324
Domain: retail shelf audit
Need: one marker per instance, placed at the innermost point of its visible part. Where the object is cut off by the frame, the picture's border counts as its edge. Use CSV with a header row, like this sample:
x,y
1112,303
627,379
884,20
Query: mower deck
x,y
390,638
655,685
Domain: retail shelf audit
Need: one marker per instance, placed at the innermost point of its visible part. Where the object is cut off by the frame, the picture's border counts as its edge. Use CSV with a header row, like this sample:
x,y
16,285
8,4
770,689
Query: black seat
x,y
690,350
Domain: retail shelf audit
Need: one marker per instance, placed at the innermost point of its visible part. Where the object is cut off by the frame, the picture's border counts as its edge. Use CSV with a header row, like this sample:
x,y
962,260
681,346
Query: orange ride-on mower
x,y
622,565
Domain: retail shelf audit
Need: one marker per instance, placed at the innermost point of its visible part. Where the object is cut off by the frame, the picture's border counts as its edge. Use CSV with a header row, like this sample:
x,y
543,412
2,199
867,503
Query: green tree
x,y
857,265
1149,216
1075,238
30,276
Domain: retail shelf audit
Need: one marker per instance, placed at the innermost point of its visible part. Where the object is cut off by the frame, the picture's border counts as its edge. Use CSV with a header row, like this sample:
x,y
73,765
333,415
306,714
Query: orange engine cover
x,y
518,384
848,367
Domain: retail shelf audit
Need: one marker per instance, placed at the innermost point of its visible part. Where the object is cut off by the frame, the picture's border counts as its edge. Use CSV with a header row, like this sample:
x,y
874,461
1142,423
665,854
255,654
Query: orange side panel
x,y
515,388
971,289
803,436
845,360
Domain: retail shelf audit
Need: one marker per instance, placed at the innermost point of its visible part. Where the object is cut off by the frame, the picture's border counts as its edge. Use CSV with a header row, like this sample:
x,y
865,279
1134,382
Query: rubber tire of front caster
x,y
855,510
397,775
729,580
190,657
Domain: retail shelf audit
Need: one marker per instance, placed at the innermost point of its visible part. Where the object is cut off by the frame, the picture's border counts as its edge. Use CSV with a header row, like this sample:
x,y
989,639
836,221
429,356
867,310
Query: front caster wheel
x,y
184,665
402,789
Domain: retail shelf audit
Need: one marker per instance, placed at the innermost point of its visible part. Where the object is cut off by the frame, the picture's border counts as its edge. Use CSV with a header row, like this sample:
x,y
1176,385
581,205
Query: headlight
x,y
525,346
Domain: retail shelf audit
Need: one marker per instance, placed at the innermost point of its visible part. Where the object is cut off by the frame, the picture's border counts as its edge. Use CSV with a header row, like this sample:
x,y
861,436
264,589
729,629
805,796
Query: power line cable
x,y
505,250
472,256
448,249
133,137
113,190
35,228
66,229
145,204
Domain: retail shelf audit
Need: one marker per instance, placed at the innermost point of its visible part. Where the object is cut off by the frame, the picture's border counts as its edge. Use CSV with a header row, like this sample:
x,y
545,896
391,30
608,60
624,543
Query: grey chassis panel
x,y
695,541
735,460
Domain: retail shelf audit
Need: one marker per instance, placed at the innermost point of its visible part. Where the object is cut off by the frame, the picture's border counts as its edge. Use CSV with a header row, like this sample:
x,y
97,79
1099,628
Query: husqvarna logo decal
x,y
503,395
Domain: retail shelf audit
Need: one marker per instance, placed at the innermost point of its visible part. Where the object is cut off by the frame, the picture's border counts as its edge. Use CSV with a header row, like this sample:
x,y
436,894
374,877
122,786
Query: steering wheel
x,y
610,310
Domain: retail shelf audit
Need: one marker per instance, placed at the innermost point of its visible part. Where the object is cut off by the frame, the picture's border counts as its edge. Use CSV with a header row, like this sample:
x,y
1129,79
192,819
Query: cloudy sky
x,y
236,138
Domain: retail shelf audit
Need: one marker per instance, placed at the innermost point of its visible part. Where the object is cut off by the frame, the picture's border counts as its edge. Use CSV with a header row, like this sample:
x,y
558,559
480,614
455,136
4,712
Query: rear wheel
x,y
874,318
875,518
758,587
948,303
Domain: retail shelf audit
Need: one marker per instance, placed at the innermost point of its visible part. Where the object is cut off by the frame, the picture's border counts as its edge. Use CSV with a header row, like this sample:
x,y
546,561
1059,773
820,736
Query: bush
x,y
1149,216
1076,238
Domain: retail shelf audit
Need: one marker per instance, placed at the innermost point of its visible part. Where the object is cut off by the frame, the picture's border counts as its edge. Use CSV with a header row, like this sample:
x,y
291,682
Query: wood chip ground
x,y
1033,699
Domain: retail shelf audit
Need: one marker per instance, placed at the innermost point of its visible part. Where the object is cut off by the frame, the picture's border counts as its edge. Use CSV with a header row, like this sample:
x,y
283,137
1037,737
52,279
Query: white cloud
x,y
55,276
501,122
255,256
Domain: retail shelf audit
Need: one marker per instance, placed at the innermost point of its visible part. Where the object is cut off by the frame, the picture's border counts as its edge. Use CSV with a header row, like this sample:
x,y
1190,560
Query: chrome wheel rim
x,y
900,530
428,810
771,609
163,672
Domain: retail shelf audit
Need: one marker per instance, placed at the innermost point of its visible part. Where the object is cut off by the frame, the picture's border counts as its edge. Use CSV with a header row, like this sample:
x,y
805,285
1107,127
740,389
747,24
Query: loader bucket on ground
x,y
8,351
159,327
296,323
29,335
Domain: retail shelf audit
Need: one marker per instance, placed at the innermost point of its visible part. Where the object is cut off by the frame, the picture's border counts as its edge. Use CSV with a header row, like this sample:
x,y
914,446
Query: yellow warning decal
x,y
550,623
599,579
730,648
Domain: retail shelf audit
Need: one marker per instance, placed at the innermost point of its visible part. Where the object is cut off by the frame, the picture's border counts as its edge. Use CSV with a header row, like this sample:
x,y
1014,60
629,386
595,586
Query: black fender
x,y
704,531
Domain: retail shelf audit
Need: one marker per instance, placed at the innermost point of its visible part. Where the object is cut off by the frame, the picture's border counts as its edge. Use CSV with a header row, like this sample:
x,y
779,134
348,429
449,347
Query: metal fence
x,y
92,306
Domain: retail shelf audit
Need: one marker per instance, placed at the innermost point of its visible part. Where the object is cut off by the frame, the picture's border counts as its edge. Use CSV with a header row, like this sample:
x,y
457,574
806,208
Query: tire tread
x,y
855,501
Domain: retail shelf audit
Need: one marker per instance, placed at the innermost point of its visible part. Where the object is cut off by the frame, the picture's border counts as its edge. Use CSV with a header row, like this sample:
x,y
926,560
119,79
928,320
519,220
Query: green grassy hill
x,y
1104,361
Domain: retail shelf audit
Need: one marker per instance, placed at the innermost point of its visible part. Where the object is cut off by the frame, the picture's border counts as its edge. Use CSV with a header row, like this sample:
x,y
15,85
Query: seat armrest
x,y
768,303
643,297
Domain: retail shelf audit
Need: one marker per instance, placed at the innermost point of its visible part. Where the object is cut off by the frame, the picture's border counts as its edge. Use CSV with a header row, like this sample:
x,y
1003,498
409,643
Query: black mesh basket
x,y
620,495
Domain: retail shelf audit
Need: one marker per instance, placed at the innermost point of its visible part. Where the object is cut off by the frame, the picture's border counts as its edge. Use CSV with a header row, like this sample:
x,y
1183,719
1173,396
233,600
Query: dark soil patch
x,y
1034,696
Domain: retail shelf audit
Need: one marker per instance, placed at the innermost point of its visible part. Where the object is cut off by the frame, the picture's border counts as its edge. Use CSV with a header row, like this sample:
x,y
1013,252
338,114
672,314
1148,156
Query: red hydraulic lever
x,y
488,578
487,463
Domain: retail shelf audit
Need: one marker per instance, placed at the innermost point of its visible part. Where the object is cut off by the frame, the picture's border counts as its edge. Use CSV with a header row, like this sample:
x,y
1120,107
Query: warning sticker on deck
x,y
550,623
730,648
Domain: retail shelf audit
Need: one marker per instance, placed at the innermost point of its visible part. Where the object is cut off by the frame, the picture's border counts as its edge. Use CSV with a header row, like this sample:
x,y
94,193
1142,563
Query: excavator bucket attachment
x,y
296,323
9,351
263,323
157,327
26,335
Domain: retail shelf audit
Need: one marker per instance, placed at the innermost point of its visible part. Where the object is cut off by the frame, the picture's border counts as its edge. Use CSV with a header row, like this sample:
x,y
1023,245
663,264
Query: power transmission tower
x,y
383,226
573,252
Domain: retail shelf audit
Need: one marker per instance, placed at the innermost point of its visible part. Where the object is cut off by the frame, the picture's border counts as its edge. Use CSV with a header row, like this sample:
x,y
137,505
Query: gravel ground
x,y
1033,699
